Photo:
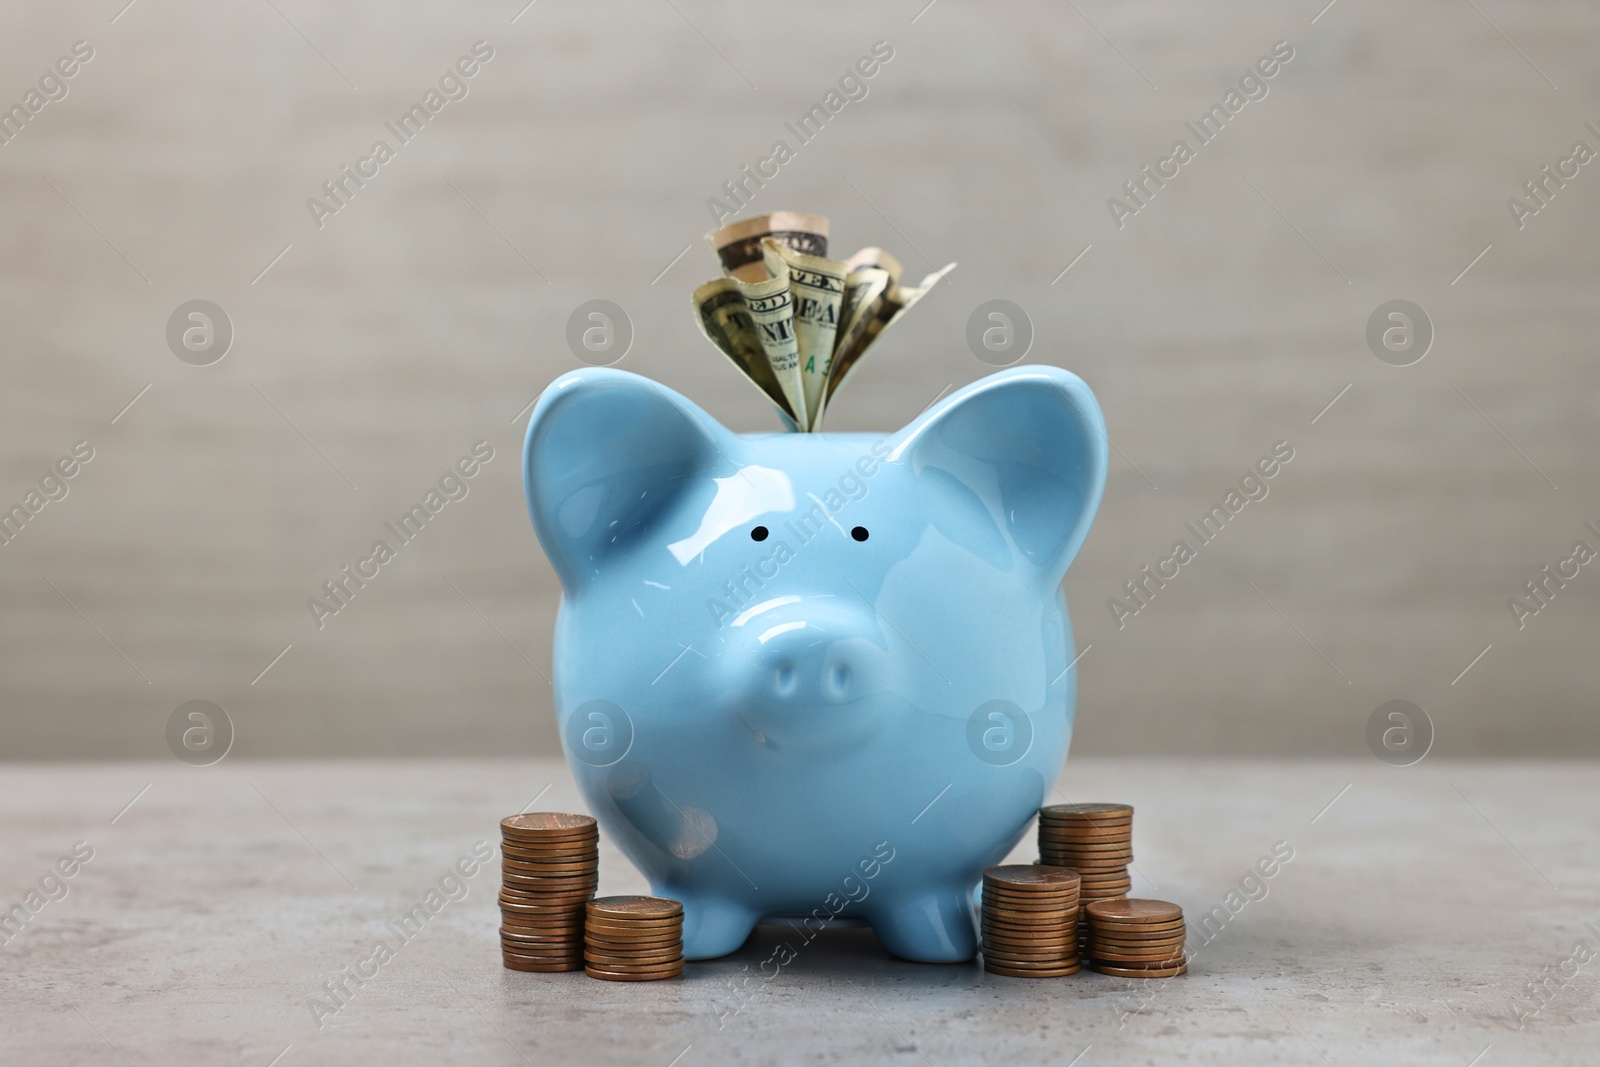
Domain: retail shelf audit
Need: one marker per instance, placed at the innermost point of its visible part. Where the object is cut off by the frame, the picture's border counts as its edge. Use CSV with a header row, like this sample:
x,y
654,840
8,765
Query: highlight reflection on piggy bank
x,y
815,675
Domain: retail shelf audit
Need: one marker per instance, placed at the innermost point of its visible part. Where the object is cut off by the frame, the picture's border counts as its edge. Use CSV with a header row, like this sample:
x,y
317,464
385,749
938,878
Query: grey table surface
x,y
1419,905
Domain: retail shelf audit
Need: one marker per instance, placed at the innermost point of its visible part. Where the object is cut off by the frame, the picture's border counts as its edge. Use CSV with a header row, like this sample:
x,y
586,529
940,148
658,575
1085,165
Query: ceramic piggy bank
x,y
815,675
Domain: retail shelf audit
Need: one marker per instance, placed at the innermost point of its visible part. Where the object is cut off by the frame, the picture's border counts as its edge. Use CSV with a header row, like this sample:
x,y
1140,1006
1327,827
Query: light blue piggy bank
x,y
815,675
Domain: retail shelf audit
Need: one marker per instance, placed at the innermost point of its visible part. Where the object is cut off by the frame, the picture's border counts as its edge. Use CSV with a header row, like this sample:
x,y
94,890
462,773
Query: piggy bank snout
x,y
807,665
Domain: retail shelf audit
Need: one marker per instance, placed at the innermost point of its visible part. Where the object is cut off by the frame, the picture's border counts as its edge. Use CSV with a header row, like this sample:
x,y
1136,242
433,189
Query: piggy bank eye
x,y
758,534
859,533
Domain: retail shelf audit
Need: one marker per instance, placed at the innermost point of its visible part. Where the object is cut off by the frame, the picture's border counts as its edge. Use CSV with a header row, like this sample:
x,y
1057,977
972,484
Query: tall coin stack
x,y
550,866
1030,921
1136,938
633,939
1096,840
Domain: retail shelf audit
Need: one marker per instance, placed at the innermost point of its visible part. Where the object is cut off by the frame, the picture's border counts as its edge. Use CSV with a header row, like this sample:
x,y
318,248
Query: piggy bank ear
x,y
607,456
1020,454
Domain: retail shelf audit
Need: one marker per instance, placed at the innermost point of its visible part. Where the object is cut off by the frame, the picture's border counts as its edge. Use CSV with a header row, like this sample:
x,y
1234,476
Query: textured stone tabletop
x,y
1419,905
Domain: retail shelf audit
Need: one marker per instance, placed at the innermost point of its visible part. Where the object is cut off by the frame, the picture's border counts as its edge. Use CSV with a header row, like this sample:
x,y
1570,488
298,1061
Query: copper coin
x,y
1012,971
621,976
541,946
1111,947
553,921
551,901
1061,929
550,859
1108,890
1053,952
1029,933
627,909
1060,954
541,940
515,875
548,824
608,932
633,937
1130,932
542,912
525,934
540,848
554,892
601,922
540,957
1087,868
1023,875
653,944
1057,959
1086,835
996,902
1032,970
548,870
548,907
1138,962
1134,924
648,950
632,964
1138,972
1059,945
1033,944
527,955
640,939
1085,809
624,960
1043,894
1134,910
1116,952
1030,915
515,964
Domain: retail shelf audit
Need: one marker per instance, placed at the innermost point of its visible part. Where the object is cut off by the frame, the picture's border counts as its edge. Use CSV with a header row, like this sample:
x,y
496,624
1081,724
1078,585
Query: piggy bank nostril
x,y
838,681
784,678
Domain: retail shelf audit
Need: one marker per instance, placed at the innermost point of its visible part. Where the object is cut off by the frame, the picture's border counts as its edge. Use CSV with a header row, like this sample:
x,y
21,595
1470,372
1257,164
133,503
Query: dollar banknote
x,y
794,321
738,244
816,288
725,320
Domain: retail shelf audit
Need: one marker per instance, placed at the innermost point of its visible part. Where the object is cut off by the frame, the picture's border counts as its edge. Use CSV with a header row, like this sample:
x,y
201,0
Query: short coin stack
x,y
1136,938
550,866
633,939
1030,921
1096,840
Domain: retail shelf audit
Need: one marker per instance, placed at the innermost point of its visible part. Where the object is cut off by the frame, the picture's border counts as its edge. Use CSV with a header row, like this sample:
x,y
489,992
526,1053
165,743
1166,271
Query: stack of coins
x,y
1096,840
633,939
1136,938
550,865
1030,921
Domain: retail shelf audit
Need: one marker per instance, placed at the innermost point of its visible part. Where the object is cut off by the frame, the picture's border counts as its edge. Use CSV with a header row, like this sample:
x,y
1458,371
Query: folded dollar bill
x,y
793,320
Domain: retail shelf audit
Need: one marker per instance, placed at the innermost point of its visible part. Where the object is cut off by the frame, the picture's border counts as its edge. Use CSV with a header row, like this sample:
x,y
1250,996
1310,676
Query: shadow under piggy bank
x,y
815,675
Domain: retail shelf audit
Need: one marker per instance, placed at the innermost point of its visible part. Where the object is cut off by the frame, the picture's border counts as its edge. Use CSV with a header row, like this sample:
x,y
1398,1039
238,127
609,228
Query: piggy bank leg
x,y
712,926
925,925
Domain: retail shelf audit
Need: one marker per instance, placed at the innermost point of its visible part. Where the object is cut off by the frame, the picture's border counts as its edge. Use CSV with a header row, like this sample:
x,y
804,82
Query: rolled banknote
x,y
738,244
772,310
720,310
864,290
816,286
872,321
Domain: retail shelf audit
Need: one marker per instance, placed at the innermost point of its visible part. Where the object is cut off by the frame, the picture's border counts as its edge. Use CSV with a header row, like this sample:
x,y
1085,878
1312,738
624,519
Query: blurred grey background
x,y
371,353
